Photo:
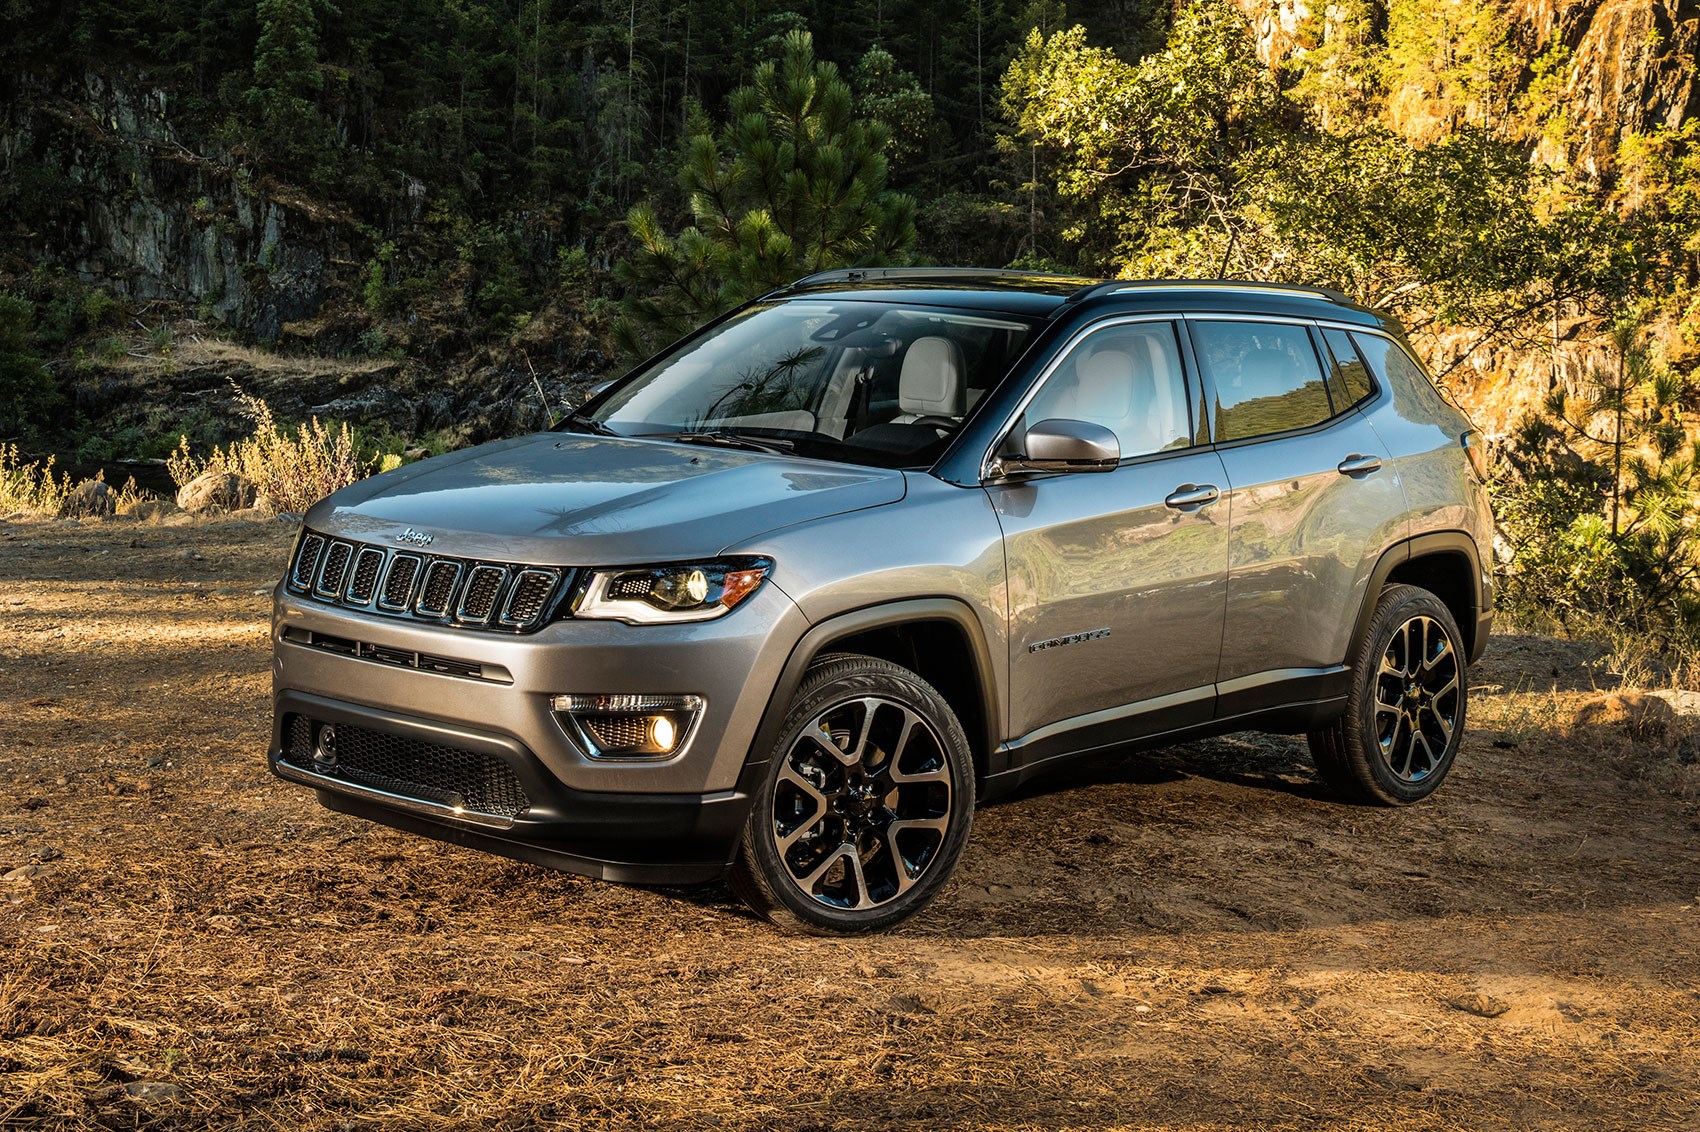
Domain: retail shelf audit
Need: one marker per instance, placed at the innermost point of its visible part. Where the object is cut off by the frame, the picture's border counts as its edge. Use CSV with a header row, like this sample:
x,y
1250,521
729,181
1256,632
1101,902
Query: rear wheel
x,y
1404,715
866,805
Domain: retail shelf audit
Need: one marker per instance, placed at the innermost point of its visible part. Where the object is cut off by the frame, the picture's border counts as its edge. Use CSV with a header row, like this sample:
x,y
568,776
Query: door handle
x,y
1359,465
1192,496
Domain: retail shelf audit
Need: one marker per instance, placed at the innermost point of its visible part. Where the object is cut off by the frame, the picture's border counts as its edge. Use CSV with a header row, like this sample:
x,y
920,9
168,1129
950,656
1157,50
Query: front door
x,y
1117,580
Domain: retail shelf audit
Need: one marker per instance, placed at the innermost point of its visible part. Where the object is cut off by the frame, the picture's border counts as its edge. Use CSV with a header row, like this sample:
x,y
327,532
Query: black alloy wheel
x,y
1404,717
866,805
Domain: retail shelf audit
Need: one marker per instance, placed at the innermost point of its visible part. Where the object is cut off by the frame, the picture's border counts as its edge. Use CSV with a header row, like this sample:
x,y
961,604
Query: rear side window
x,y
1392,363
1266,377
1350,375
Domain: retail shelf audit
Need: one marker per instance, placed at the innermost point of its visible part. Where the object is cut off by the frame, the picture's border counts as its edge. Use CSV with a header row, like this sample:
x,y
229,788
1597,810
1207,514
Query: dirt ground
x,y
1193,938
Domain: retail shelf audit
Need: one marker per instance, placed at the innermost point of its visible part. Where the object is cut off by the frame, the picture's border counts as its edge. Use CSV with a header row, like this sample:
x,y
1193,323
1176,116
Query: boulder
x,y
91,499
1641,717
216,491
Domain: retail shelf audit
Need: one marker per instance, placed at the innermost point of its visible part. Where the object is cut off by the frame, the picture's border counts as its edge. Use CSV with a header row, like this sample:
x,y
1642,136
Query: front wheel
x,y
866,805
1404,715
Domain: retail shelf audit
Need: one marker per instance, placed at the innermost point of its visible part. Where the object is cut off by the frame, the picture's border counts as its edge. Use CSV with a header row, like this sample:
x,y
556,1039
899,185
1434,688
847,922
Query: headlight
x,y
667,594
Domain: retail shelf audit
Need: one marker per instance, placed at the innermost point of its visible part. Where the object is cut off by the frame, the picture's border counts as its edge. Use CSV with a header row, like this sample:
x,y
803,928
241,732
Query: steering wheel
x,y
948,424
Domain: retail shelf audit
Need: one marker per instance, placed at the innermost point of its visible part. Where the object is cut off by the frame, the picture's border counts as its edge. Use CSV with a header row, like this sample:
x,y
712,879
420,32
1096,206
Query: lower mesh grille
x,y
445,776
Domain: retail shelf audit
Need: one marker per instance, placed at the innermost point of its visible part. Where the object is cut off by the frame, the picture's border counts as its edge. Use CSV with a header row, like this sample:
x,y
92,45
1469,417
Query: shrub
x,y
27,391
30,488
294,470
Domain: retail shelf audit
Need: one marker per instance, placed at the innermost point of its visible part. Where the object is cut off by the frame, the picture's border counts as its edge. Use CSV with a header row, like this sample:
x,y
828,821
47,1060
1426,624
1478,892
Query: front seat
x,y
931,383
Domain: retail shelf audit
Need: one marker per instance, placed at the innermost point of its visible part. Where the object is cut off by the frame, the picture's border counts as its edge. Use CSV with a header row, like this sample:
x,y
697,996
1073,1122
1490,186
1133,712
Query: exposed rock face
x,y
151,218
216,491
1633,68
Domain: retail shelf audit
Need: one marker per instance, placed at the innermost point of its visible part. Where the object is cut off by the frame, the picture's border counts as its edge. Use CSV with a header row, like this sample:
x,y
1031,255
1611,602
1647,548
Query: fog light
x,y
628,726
324,751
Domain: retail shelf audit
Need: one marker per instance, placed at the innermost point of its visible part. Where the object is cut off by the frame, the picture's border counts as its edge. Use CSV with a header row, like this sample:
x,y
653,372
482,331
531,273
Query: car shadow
x,y
1254,760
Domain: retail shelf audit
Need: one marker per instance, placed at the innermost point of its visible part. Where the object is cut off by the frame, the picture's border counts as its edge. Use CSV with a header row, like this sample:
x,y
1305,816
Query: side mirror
x,y
1062,446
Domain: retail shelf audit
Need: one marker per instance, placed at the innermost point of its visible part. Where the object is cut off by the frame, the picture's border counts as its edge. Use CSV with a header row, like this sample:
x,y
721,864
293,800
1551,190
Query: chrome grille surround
x,y
335,570
478,596
306,561
437,594
398,582
507,597
531,591
367,564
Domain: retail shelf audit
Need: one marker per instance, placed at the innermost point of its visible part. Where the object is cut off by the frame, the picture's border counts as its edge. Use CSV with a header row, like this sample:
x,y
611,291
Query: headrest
x,y
931,382
1106,383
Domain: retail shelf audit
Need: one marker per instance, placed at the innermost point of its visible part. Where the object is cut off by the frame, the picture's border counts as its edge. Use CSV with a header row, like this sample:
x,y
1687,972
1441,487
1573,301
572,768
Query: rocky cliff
x,y
139,210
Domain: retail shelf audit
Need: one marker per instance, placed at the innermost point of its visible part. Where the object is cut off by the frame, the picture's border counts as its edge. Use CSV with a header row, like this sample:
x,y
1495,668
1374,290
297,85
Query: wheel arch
x,y
939,639
1448,565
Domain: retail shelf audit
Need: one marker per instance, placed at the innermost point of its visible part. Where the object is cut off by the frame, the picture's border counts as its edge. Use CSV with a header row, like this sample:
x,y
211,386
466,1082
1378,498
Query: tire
x,y
866,805
1405,713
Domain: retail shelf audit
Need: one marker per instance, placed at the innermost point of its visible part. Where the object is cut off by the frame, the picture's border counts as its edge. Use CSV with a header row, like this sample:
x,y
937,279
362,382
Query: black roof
x,y
1043,294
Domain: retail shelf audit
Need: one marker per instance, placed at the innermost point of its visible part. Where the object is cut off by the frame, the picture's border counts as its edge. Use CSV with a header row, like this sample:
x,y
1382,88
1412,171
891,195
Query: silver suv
x,y
782,603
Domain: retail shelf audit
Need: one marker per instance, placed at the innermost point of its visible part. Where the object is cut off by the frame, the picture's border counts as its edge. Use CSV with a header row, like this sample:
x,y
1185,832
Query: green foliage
x,y
27,390
287,78
792,182
1448,64
891,96
1601,497
1156,153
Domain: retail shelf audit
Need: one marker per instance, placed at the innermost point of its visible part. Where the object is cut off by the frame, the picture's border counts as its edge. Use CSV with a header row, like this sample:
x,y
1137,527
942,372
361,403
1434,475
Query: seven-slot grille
x,y
512,597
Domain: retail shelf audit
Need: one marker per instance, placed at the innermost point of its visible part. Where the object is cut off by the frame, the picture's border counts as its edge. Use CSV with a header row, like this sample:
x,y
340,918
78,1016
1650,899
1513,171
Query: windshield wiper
x,y
587,424
729,440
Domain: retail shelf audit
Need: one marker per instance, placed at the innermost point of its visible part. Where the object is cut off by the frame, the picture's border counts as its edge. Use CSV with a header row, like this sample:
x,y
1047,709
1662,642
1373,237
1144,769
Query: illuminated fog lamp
x,y
628,726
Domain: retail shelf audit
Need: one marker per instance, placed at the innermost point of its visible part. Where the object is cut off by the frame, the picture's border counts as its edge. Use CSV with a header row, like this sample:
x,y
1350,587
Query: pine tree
x,y
287,79
1599,508
793,182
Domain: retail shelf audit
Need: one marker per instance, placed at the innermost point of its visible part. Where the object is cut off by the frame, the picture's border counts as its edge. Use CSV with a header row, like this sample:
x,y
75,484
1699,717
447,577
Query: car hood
x,y
574,500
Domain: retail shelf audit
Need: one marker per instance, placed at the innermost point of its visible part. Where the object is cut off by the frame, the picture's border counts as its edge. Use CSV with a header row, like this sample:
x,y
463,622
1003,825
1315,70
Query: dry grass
x,y
1193,938
294,470
30,489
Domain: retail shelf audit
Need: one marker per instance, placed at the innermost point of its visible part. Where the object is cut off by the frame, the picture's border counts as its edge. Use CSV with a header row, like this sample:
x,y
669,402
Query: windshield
x,y
866,383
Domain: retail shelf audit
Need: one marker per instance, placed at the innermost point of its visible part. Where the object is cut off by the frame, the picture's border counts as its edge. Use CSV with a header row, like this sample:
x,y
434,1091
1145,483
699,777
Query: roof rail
x,y
858,274
1116,286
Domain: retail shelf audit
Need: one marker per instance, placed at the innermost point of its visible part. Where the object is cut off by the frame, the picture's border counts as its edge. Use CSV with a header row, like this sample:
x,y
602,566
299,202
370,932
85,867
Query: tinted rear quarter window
x,y
1349,369
1266,377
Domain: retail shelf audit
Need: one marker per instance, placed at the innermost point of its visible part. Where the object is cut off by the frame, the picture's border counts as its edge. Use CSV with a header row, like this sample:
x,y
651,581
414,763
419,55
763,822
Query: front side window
x,y
1127,378
862,382
1266,377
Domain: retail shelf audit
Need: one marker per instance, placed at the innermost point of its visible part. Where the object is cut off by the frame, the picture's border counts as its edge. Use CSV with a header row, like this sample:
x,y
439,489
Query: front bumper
x,y
486,697
634,838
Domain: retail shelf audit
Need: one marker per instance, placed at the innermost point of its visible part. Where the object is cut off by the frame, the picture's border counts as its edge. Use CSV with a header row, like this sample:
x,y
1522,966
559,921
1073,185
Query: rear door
x,y
1117,580
1314,497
